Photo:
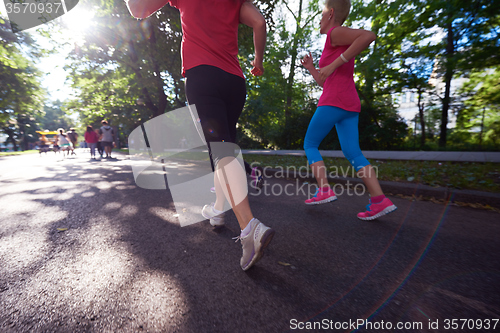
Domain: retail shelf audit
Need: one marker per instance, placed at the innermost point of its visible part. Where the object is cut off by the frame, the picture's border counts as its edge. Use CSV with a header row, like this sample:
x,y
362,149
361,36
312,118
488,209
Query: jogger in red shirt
x,y
216,85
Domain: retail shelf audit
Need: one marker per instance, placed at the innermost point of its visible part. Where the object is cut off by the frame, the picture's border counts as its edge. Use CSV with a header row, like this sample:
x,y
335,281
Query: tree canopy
x,y
128,71
21,95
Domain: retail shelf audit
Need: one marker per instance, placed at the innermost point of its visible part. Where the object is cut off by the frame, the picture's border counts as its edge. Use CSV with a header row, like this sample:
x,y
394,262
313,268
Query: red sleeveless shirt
x,y
210,33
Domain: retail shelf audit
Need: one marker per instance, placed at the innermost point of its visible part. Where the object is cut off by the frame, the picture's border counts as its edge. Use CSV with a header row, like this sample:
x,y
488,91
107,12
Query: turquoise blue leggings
x,y
346,123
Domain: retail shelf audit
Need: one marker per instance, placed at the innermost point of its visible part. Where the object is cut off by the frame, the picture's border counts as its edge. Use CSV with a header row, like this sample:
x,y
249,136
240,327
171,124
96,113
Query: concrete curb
x,y
406,189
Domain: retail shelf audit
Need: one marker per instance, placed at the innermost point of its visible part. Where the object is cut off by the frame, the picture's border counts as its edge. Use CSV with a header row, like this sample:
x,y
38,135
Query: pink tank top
x,y
339,89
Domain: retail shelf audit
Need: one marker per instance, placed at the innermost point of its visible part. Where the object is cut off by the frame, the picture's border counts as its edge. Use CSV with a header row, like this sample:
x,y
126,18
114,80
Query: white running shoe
x,y
216,219
254,243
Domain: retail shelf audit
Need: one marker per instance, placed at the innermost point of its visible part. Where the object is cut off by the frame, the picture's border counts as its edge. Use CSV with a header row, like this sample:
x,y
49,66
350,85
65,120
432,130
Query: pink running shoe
x,y
376,210
322,196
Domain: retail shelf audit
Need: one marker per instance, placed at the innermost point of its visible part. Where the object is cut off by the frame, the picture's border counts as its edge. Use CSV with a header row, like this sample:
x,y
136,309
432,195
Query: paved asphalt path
x,y
124,264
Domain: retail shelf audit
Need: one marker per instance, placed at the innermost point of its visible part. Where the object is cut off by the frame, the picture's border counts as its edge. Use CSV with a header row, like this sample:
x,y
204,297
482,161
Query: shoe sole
x,y
217,224
322,201
386,211
214,222
264,242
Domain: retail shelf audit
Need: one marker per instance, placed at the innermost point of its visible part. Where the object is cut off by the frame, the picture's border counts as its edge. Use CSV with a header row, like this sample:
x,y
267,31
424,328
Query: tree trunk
x,y
291,75
162,98
422,120
450,50
147,97
368,92
481,133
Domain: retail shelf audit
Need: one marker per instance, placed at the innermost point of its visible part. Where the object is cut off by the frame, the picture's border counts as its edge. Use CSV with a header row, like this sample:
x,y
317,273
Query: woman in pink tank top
x,y
339,106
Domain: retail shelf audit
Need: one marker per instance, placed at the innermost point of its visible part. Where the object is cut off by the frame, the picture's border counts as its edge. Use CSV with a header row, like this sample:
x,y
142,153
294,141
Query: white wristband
x,y
343,58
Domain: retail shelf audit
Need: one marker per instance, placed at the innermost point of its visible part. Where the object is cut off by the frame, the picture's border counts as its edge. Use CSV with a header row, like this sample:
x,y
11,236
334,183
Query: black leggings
x,y
219,98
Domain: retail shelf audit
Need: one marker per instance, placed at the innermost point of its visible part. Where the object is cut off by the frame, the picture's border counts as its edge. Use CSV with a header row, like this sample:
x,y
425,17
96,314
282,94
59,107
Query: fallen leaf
x,y
62,229
283,263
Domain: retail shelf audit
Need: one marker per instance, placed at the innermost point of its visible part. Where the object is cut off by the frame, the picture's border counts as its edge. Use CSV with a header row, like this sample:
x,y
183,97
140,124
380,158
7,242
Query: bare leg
x,y
231,183
219,194
319,171
369,177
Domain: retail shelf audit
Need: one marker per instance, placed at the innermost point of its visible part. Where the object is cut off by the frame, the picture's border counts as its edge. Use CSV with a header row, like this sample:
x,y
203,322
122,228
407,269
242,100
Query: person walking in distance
x,y
91,138
99,145
73,137
63,142
339,106
107,138
216,85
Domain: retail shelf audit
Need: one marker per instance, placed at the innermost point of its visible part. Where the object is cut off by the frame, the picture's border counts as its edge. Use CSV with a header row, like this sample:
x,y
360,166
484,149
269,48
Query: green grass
x,y
459,175
10,153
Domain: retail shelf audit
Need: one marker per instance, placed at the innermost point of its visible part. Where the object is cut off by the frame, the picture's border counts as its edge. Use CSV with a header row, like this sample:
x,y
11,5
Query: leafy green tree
x,y
379,72
278,107
53,117
21,95
404,28
471,41
260,125
482,105
127,70
416,69
298,39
